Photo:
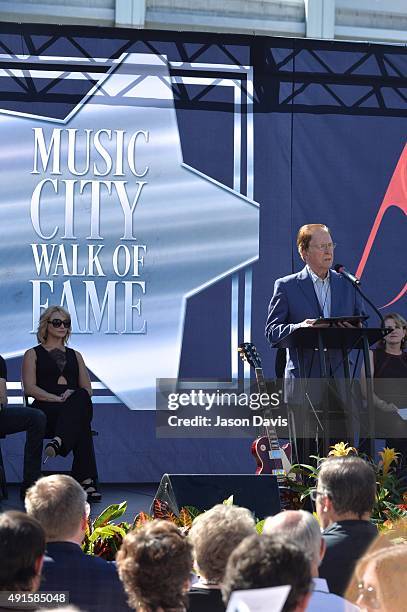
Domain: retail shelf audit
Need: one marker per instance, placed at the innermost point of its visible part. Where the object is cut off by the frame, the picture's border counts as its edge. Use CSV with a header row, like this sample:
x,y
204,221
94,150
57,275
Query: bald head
x,y
299,527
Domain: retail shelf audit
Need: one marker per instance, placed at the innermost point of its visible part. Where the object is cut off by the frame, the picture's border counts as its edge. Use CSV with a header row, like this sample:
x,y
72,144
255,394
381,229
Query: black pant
x,y
16,419
71,421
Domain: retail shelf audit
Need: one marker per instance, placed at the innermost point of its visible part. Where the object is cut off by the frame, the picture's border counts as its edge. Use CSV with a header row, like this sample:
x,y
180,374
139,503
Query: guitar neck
x,y
261,382
269,429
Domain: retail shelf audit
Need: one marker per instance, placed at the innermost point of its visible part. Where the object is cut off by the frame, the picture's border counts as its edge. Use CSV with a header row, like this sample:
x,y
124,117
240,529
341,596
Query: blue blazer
x,y
92,582
294,300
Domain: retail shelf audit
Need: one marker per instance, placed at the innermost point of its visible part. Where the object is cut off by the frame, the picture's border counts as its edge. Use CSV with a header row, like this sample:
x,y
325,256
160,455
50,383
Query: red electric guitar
x,y
270,457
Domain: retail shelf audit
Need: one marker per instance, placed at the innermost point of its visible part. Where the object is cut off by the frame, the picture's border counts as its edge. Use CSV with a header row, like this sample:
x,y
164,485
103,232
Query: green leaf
x,y
228,501
194,512
109,514
260,525
105,532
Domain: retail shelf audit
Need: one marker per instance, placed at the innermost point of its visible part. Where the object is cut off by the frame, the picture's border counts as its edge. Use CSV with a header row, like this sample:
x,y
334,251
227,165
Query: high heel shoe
x,y
93,495
51,449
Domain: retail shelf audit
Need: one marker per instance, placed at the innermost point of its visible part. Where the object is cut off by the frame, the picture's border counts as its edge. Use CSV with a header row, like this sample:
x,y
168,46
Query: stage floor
x,y
138,497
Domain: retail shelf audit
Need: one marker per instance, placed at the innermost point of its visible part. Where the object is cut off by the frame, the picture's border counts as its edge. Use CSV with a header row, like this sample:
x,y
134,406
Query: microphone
x,y
351,277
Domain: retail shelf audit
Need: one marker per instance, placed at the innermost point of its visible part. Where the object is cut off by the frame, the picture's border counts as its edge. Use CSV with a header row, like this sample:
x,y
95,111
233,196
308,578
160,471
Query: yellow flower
x,y
387,525
342,450
388,456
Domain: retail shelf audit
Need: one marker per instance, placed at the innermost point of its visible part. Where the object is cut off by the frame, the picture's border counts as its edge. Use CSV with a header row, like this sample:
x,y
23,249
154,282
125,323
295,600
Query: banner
x,y
153,184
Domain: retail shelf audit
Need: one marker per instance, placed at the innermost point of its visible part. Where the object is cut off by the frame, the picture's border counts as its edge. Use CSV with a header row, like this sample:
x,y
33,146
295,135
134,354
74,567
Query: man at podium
x,y
299,300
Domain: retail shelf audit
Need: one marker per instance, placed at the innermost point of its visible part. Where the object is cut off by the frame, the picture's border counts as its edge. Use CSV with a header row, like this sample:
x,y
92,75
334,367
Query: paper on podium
x,y
270,599
403,413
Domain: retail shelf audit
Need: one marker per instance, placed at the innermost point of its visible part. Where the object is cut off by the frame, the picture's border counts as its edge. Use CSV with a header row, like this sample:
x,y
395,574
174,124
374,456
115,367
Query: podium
x,y
344,339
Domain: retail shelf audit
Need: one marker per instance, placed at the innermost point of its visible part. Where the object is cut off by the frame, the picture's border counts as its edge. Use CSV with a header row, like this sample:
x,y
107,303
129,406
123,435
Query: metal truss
x,y
372,82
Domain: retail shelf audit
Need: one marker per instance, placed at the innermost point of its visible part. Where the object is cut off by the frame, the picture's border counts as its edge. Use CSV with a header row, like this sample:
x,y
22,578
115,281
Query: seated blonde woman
x,y
57,378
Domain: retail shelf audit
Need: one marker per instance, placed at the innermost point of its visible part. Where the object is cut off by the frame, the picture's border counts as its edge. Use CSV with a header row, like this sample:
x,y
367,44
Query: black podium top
x,y
332,337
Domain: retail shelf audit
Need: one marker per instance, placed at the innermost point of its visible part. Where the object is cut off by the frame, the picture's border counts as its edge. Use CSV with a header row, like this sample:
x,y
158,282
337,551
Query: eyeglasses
x,y
329,246
314,494
368,595
58,322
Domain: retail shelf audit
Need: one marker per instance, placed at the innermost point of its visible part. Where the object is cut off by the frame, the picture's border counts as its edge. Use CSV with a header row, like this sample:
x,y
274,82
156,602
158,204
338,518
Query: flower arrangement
x,y
104,536
391,500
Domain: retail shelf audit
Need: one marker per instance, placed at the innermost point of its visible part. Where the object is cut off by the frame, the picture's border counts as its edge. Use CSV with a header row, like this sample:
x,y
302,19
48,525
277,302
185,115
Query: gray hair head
x,y
300,527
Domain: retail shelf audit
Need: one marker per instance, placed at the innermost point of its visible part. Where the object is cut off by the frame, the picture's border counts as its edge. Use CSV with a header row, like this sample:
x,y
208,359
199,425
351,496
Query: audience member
x,y
381,580
57,378
344,499
269,561
58,502
302,528
214,535
60,609
17,418
154,564
388,364
22,546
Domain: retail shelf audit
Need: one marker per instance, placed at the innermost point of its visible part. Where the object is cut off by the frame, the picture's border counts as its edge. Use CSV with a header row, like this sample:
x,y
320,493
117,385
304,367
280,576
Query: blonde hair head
x,y
48,315
400,322
58,502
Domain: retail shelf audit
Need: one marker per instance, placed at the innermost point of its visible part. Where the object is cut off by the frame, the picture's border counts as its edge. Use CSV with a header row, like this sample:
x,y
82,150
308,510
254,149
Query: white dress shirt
x,y
322,288
324,601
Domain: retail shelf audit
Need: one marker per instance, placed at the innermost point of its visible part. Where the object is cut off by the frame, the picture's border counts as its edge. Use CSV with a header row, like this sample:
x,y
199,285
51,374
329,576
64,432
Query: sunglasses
x,y
59,322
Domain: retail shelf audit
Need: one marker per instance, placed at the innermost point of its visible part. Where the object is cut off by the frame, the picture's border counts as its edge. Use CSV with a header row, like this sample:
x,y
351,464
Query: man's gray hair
x,y
58,502
301,527
215,534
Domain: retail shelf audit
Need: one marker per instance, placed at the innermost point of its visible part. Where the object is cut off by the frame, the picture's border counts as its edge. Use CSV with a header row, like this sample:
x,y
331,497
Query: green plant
x,y
103,538
104,535
391,499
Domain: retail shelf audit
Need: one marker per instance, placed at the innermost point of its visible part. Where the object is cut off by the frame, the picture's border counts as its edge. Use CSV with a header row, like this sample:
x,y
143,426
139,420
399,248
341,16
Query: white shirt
x,y
324,601
322,288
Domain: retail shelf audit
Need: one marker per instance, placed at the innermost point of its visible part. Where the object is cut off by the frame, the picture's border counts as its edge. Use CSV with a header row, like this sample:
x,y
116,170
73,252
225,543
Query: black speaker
x,y
259,494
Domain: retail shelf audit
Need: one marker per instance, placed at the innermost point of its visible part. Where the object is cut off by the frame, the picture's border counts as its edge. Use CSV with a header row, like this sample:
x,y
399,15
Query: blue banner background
x,y
329,127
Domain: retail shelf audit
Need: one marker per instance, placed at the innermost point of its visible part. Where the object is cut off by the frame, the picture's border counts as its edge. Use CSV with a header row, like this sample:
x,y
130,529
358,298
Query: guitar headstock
x,y
248,352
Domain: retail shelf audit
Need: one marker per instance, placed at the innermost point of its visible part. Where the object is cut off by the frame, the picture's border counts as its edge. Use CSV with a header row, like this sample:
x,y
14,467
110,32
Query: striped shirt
x,y
322,289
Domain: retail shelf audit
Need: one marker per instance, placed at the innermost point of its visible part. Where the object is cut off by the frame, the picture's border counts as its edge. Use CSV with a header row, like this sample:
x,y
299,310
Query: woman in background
x,y
388,364
57,378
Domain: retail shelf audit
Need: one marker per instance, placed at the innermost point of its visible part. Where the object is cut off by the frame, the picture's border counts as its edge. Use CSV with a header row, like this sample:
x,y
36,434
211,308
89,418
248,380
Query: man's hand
x,y
347,324
385,406
307,323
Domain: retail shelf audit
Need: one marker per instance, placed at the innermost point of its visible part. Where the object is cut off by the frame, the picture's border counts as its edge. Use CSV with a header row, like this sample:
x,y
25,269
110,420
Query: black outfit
x,y
14,419
390,385
346,542
203,600
69,420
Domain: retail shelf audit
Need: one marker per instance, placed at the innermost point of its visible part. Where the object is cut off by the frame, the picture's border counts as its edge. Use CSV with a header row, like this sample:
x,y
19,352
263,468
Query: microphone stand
x,y
364,296
368,369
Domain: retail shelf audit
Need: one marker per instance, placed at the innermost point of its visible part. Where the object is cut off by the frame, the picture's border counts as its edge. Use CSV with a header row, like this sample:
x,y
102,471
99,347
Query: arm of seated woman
x,y
84,379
